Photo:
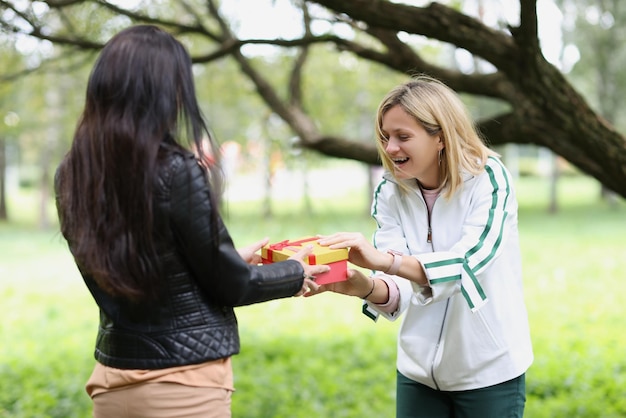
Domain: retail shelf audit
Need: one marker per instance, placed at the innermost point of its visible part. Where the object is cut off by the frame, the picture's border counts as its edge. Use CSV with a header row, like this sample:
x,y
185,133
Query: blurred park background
x,y
295,122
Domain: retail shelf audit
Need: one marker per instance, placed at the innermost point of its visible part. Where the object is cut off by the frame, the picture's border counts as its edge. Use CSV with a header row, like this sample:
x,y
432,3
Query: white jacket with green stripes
x,y
469,329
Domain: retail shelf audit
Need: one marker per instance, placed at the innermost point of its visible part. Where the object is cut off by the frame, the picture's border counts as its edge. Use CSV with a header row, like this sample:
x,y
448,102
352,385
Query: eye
x,y
384,139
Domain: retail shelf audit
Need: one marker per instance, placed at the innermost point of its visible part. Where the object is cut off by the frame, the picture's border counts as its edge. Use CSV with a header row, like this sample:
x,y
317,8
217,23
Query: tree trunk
x,y
3,170
52,137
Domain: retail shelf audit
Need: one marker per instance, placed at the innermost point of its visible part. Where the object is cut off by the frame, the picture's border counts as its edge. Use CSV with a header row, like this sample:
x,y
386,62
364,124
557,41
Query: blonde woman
x,y
446,256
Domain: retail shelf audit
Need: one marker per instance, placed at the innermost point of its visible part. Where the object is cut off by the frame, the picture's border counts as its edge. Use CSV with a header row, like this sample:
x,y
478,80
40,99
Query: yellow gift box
x,y
336,259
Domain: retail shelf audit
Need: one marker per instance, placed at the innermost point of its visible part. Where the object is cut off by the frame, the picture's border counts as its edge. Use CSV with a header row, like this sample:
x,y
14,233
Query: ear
x,y
440,144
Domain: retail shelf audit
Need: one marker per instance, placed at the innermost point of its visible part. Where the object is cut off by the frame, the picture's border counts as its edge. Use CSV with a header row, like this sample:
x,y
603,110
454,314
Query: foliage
x,y
316,365
573,266
346,85
596,29
319,356
46,321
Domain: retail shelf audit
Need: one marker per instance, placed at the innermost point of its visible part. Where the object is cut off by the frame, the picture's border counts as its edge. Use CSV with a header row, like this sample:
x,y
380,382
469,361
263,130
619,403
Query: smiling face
x,y
414,153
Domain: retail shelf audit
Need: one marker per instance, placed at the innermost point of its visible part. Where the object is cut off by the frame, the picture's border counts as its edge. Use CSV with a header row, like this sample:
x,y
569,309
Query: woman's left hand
x,y
249,253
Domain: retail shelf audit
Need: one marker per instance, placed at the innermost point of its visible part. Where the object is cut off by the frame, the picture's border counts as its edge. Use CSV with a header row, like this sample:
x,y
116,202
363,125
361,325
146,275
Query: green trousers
x,y
504,400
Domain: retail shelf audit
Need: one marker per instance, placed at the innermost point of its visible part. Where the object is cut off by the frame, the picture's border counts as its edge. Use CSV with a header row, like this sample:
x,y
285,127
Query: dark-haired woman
x,y
139,211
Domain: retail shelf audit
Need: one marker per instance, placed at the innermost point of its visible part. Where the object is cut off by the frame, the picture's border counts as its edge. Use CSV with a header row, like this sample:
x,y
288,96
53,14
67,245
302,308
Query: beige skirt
x,y
163,400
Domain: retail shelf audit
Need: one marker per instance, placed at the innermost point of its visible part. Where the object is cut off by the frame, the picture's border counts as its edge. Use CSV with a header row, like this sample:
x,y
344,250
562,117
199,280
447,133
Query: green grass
x,y
305,357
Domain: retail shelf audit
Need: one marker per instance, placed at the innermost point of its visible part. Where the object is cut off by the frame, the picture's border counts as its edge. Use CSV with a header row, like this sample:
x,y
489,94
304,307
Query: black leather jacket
x,y
195,321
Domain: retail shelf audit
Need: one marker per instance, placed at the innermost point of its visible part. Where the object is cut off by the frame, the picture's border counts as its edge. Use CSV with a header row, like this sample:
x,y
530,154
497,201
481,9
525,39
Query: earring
x,y
440,158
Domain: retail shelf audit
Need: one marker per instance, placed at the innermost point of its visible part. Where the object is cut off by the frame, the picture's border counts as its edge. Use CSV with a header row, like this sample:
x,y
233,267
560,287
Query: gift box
x,y
336,259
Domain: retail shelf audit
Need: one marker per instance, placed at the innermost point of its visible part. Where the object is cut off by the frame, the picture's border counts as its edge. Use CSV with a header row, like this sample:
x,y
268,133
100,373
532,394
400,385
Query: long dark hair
x,y
140,94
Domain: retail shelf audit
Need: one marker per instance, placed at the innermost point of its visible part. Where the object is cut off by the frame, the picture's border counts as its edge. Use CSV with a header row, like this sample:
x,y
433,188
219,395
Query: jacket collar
x,y
412,183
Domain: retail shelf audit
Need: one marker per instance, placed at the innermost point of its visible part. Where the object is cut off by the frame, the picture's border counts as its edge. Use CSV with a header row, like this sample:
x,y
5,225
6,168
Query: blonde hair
x,y
439,110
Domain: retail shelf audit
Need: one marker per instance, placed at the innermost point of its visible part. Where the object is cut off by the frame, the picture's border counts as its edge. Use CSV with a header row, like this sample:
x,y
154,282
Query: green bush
x,y
304,376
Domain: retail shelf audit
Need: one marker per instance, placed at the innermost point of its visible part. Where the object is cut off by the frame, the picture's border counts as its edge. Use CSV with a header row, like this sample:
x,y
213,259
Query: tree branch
x,y
527,34
433,21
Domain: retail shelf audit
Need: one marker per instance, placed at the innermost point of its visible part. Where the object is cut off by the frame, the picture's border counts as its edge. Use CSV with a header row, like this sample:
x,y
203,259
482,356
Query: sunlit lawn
x,y
574,275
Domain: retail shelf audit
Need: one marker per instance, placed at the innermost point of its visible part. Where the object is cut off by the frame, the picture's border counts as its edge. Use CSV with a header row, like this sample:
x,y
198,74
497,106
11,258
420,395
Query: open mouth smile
x,y
399,161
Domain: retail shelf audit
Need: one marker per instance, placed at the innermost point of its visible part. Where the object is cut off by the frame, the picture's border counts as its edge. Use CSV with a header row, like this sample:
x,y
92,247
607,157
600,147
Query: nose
x,y
391,146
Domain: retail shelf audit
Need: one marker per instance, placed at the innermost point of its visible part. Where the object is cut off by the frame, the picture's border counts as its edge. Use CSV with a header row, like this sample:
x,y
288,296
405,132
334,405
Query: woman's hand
x,y
310,271
308,286
361,252
357,285
249,253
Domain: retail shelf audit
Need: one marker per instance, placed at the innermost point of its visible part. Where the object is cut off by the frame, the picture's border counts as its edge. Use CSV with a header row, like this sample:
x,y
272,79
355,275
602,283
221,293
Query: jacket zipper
x,y
429,239
432,364
429,236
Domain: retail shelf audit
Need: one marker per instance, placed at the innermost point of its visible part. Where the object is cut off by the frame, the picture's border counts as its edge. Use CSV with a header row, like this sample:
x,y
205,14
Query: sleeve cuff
x,y
392,303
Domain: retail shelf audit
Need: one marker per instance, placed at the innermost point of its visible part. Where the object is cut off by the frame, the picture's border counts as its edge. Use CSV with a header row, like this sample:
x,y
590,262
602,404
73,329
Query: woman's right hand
x,y
310,271
357,284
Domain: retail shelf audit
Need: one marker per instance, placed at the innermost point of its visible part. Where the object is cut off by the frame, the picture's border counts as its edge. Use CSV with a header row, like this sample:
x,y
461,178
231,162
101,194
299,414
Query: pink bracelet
x,y
395,265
